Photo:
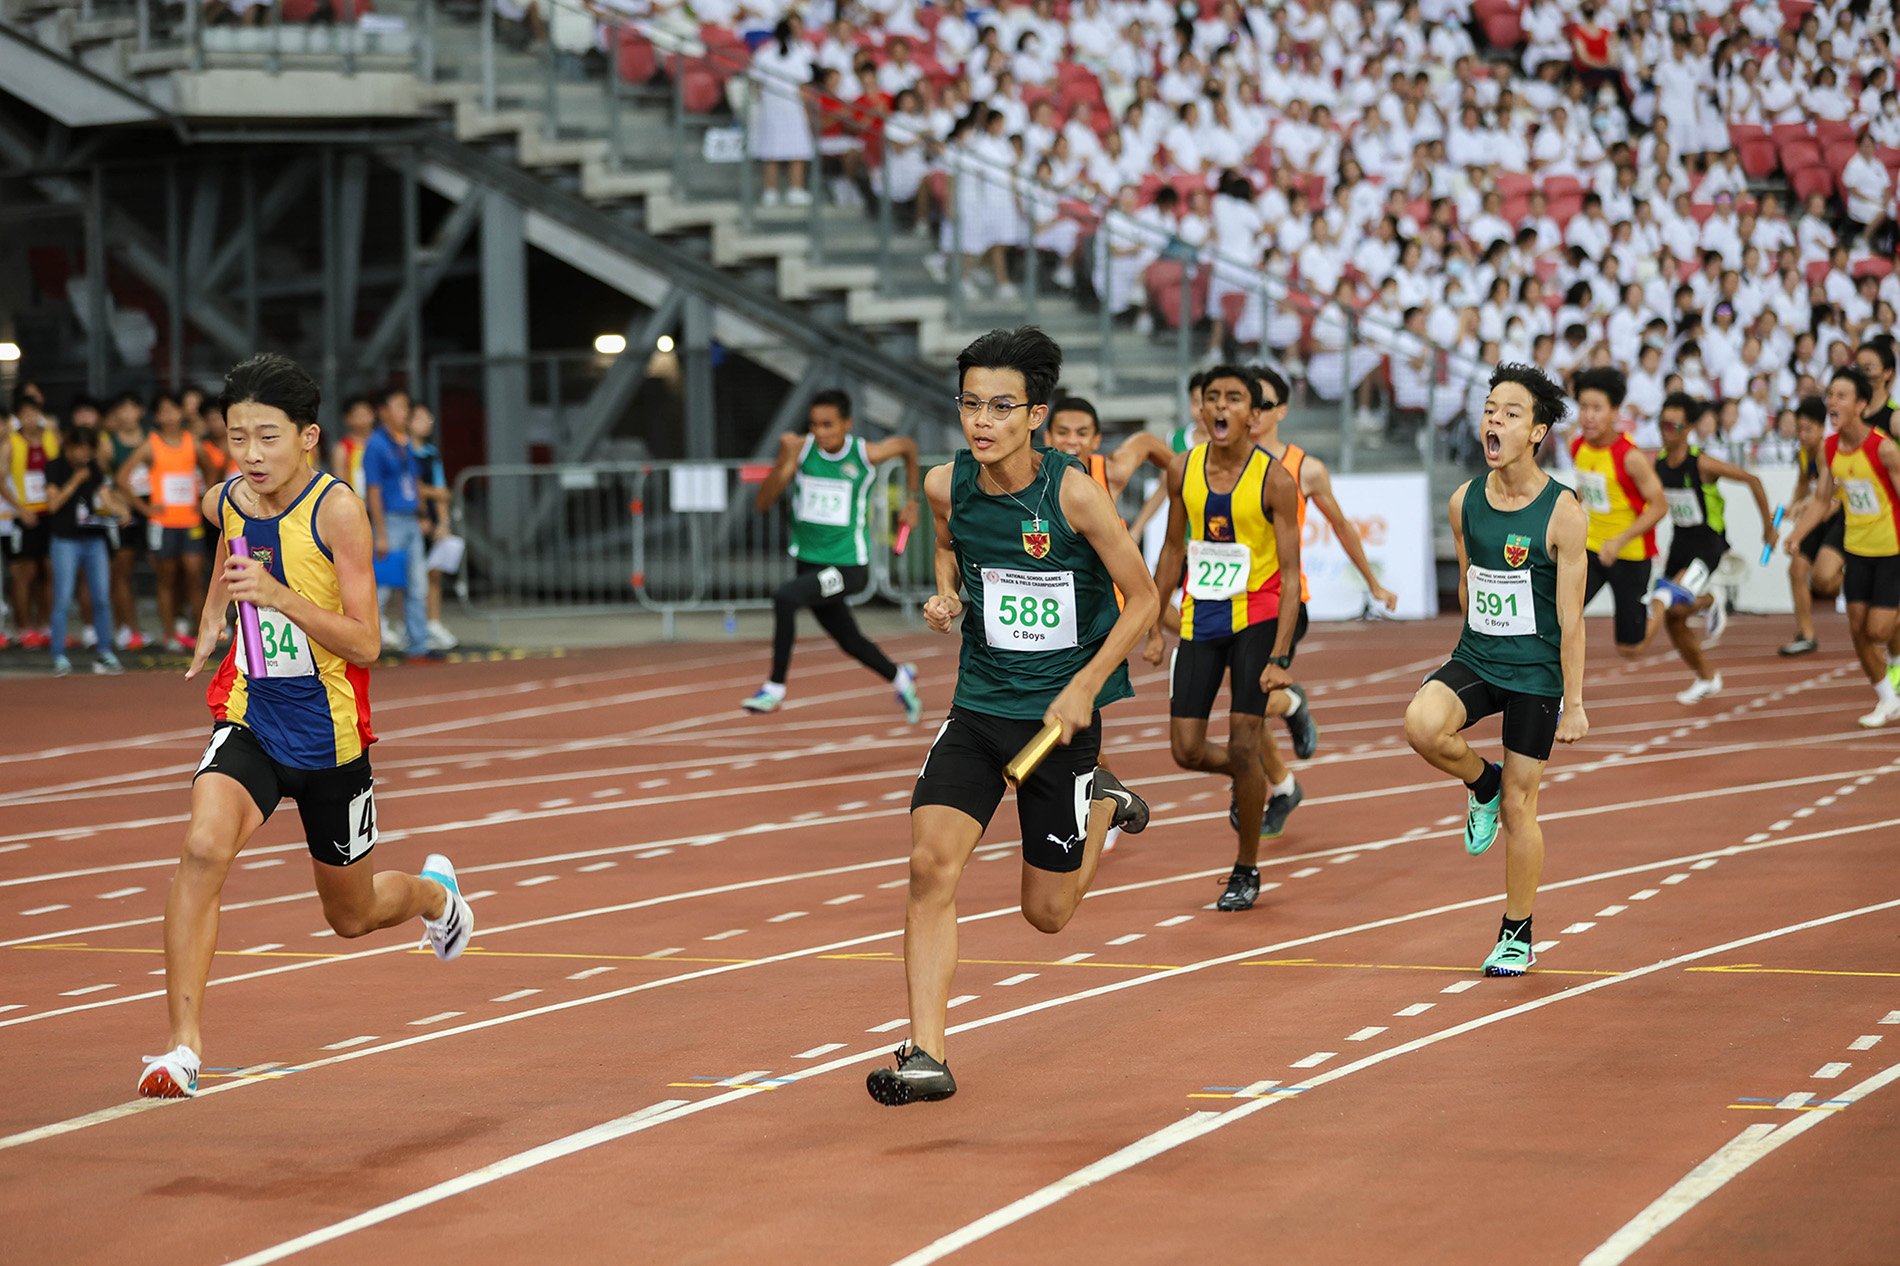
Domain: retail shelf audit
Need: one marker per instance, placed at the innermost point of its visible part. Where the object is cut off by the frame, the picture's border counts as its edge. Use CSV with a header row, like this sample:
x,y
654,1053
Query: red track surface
x,y
676,894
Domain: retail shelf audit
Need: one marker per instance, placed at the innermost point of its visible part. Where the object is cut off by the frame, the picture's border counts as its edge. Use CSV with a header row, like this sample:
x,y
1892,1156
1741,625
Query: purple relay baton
x,y
248,630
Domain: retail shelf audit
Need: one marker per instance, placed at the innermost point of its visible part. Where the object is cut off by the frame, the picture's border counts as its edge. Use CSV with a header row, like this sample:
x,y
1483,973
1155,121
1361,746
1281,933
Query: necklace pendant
x,y
1035,538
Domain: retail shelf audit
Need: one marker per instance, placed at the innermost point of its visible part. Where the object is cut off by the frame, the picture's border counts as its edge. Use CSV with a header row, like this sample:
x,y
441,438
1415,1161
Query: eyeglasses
x,y
1271,404
999,408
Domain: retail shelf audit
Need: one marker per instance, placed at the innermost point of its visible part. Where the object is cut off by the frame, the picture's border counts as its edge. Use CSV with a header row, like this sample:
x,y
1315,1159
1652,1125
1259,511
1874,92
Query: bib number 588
x,y
1026,612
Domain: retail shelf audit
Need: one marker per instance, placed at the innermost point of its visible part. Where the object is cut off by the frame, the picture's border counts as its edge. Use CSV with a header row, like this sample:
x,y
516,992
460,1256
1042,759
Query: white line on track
x,y
437,1018
1866,1043
589,973
889,1026
1459,986
816,1051
1828,1072
1417,1008
516,996
1017,979
349,1042
1314,1060
1366,1034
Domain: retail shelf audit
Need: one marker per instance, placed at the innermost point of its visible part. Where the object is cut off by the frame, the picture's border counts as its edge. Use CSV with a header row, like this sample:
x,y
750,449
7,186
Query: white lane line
x,y
1866,1043
1176,921
1674,879
652,853
1577,927
1314,1060
1255,1090
1543,947
265,948
1366,1034
474,896
1017,979
348,1042
535,881
1082,956
845,900
895,883
597,866
816,1051
13,1006
1799,1099
267,862
1647,893
437,1018
1610,912
1130,939
1307,872
1417,1008
1459,986
746,1079
606,1132
116,893
668,952
43,910
889,1026
787,917
82,992
516,996
724,936
13,848
1828,1072
590,973
960,999
1704,864
1731,1159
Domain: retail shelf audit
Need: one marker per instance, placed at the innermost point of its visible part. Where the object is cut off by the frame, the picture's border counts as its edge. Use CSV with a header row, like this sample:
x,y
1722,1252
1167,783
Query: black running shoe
x,y
1242,887
1800,646
916,1079
1279,808
1131,811
1300,724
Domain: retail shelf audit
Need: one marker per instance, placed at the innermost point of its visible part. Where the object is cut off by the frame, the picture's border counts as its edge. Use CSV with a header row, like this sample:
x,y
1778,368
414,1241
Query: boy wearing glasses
x,y
1036,548
1689,481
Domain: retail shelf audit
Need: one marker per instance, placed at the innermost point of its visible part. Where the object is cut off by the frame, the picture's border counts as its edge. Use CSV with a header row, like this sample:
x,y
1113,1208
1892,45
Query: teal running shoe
x,y
906,684
1481,822
1511,957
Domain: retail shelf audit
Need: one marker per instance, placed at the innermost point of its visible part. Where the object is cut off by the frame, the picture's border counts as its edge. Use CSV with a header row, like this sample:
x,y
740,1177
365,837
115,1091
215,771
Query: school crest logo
x,y
1035,538
1517,549
265,556
1219,528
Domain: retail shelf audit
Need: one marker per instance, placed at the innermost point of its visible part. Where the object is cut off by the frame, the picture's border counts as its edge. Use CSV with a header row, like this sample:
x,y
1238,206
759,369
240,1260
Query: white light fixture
x,y
663,344
9,351
610,344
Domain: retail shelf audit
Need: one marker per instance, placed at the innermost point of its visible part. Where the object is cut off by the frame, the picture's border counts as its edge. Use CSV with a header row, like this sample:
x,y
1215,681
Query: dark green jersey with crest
x,y
1511,637
1039,601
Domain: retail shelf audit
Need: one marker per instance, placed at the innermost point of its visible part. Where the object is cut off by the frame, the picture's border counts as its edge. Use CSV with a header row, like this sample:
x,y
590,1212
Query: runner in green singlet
x,y
1521,569
831,474
1036,549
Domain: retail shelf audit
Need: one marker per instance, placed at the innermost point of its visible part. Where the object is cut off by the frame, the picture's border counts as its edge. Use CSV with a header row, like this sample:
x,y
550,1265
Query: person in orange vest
x,y
27,452
346,460
1618,486
180,468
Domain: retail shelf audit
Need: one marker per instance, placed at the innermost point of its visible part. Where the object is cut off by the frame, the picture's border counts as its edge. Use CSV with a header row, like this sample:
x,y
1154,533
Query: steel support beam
x,y
595,419
174,279
352,197
285,194
207,199
99,336
702,441
432,266
504,254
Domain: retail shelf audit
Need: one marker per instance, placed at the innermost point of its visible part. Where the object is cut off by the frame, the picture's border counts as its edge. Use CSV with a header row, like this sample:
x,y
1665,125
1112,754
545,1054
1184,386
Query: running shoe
x,y
88,638
448,935
1302,727
1893,673
1279,808
1800,646
34,640
906,683
766,700
1673,594
916,1079
61,665
1243,886
170,1076
136,641
1511,957
1715,619
440,639
1885,712
1131,811
172,646
1700,689
107,665
1481,822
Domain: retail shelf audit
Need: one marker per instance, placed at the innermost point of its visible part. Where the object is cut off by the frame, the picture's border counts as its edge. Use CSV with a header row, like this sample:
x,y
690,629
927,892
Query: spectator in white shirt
x,y
1825,100
1813,234
1867,184
1589,230
900,71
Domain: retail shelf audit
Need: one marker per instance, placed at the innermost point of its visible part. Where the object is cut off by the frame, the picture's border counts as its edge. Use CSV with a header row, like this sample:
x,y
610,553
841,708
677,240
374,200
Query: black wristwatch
x,y
1280,661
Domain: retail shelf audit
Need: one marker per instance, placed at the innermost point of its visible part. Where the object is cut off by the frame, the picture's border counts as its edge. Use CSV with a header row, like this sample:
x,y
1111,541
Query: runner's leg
x,y
1432,723
223,818
1686,640
1050,898
1523,836
835,618
1800,578
800,591
358,899
942,840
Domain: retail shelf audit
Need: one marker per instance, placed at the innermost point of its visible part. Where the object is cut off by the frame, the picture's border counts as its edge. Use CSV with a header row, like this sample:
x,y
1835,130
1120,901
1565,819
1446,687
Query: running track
x,y
688,960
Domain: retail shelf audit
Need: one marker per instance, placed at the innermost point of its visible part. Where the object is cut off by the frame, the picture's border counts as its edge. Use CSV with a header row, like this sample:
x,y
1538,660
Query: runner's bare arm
x,y
904,448
1814,512
1283,499
1715,467
1890,458
1565,541
1143,448
1317,484
1458,540
207,465
1092,514
142,455
1149,508
782,470
1642,471
1173,552
355,633
944,606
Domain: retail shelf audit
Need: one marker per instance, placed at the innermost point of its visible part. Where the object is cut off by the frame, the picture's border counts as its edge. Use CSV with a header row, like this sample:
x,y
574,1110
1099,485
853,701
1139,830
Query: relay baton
x,y
248,631
1768,550
903,538
1024,763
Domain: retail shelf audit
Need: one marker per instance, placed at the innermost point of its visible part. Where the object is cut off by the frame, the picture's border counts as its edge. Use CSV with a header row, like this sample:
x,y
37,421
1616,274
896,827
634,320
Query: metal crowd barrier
x,y
663,537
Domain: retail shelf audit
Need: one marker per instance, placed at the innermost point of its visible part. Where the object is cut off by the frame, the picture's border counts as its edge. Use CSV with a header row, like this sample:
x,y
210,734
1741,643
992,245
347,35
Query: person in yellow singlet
x,y
1617,484
1233,538
1861,470
292,721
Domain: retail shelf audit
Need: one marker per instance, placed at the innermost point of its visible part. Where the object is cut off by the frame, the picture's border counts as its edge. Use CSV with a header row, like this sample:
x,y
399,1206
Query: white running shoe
x,y
906,685
440,639
1700,689
448,935
766,700
170,1076
1885,712
88,638
1715,619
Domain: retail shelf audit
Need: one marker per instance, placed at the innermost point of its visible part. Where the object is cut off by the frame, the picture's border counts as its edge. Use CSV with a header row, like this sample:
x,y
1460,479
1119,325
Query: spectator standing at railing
x,y
781,129
832,474
395,497
81,506
27,452
435,514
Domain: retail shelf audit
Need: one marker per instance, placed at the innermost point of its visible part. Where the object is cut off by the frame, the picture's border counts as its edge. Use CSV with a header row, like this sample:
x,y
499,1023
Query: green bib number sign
x,y
286,647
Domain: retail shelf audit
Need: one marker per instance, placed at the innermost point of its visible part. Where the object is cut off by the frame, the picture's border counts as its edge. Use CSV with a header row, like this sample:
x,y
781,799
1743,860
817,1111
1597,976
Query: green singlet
x,y
1511,636
1040,602
829,495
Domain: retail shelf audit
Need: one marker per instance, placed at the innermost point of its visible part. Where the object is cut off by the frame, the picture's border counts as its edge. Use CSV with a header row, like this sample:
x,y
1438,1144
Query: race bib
x,y
177,490
154,536
142,481
1593,486
35,489
1029,610
1501,604
1218,570
408,485
1685,507
1863,499
825,502
286,647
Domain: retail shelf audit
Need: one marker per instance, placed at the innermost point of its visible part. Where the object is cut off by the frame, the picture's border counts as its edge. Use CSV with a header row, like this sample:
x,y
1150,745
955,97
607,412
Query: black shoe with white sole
x,y
917,1079
1243,886
1301,727
1131,811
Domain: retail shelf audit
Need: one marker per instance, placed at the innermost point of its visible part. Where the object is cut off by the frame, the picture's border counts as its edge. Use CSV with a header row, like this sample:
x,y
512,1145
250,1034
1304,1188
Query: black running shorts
x,y
1530,721
337,807
964,771
1200,666
1628,579
1687,548
1831,534
1874,581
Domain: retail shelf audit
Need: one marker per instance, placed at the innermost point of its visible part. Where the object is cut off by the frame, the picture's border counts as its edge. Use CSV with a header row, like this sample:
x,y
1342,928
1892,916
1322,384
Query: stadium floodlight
x,y
663,344
9,351
610,344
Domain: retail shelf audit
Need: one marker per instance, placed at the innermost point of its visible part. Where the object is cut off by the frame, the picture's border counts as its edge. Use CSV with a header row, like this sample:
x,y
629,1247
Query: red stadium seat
x,y
1515,209
1759,160
1808,181
1785,134
1701,211
1150,186
297,11
638,63
1835,156
1485,8
1873,266
1740,134
1817,272
1798,154
702,91
1890,155
1514,184
1829,132
1792,11
1163,281
1563,186
1685,269
1564,209
1232,306
1503,30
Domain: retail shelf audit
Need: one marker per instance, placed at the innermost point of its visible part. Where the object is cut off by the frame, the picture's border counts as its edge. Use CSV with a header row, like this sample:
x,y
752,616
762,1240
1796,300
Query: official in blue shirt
x,y
394,483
